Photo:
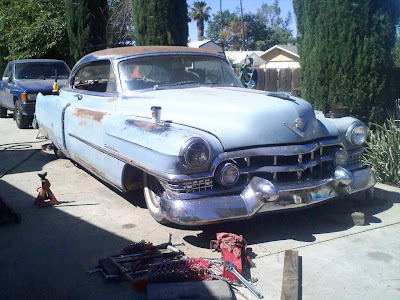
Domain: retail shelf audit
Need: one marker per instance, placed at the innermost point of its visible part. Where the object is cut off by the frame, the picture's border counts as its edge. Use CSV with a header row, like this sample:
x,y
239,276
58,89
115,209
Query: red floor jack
x,y
45,197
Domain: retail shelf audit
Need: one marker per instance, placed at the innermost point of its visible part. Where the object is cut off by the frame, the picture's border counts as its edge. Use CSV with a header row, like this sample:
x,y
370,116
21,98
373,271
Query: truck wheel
x,y
3,112
35,125
22,121
152,192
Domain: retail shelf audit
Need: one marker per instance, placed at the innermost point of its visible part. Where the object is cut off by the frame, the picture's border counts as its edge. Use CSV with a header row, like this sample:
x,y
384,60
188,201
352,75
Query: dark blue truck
x,y
23,80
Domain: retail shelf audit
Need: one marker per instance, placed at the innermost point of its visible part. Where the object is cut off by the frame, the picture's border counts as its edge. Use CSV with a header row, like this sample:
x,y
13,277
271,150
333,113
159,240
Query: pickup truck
x,y
23,80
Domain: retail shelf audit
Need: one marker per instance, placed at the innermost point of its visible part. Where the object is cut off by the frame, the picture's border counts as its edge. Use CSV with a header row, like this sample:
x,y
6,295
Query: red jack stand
x,y
233,248
45,197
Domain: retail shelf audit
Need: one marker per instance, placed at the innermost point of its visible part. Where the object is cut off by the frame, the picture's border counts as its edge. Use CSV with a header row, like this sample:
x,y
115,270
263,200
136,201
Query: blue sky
x,y
248,6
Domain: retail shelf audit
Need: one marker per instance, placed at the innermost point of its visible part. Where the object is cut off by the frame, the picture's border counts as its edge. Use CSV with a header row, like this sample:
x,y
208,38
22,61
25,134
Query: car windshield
x,y
41,70
172,70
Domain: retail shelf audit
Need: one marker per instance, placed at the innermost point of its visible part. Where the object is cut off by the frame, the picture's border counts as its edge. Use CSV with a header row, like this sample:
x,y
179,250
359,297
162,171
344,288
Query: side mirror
x,y
5,79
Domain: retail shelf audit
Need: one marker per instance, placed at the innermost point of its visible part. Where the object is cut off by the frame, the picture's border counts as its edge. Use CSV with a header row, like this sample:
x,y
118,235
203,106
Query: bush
x,y
383,151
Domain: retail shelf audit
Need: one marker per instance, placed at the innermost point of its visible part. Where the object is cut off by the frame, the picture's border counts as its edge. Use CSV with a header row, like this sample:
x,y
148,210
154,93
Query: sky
x,y
248,6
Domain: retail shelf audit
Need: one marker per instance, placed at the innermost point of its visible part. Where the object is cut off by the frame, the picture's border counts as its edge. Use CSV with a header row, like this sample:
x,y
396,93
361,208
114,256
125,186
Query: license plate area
x,y
312,195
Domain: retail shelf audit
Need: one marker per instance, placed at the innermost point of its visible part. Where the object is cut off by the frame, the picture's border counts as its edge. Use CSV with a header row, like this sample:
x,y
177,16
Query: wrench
x,y
231,268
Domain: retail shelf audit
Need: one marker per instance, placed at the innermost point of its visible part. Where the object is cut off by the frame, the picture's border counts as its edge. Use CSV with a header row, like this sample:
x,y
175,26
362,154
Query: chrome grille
x,y
355,159
288,163
188,186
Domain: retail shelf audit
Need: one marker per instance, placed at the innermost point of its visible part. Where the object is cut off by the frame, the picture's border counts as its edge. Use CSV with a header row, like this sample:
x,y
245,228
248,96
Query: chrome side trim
x,y
63,125
156,173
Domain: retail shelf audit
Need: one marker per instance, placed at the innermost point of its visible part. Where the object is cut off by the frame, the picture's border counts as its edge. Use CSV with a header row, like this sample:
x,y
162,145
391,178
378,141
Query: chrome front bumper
x,y
262,196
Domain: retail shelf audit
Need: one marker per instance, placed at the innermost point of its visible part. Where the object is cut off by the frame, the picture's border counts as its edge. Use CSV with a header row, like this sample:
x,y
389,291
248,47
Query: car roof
x,y
37,60
115,53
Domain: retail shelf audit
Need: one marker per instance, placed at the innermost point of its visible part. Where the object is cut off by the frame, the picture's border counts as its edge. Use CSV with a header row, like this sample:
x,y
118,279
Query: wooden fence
x,y
282,80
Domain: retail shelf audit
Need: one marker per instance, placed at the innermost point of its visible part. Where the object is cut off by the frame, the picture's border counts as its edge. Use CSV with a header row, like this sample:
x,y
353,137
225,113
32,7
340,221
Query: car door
x,y
6,95
93,98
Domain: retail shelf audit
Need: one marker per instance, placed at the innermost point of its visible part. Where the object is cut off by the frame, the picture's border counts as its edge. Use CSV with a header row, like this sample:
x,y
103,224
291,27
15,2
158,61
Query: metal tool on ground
x,y
45,196
141,257
233,248
231,268
107,268
142,246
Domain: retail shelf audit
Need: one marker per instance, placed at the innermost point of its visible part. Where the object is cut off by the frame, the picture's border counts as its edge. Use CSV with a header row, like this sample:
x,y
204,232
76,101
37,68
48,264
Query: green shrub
x,y
383,151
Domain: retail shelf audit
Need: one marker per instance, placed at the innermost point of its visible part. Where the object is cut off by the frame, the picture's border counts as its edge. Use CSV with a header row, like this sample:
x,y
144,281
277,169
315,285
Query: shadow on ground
x,y
301,225
47,255
15,154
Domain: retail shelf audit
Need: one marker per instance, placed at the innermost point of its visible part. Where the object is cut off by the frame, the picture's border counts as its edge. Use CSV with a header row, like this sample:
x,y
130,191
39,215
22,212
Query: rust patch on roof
x,y
88,114
147,126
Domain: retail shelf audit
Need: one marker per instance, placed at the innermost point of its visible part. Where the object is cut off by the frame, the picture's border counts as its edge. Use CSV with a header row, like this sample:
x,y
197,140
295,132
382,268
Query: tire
x,y
59,153
3,112
152,191
22,121
35,125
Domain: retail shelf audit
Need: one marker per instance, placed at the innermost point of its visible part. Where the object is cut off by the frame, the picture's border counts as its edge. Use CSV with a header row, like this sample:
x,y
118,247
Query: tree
x,y
345,54
270,15
214,32
160,22
87,26
262,30
200,13
120,28
396,51
32,29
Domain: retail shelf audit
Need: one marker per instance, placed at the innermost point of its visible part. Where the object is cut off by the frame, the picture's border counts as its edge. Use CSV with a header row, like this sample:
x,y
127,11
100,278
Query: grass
x,y
383,151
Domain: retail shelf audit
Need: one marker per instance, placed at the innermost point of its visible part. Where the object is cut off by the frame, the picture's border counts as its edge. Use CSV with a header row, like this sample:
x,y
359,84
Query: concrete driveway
x,y
47,255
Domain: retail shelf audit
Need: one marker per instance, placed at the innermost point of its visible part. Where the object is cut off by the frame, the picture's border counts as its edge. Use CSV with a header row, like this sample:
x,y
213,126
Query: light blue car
x,y
176,122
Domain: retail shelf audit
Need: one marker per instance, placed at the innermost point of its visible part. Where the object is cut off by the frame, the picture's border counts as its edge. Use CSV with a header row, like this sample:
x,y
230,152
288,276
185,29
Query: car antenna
x,y
56,89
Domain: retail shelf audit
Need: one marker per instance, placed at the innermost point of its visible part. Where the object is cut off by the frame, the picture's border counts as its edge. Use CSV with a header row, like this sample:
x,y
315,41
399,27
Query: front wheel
x,y
152,192
3,112
22,121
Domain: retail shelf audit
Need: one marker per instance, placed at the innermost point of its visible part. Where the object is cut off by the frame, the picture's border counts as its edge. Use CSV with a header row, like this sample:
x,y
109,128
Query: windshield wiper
x,y
158,86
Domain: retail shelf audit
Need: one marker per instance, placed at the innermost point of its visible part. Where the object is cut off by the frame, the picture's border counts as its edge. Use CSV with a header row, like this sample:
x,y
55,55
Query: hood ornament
x,y
300,123
300,126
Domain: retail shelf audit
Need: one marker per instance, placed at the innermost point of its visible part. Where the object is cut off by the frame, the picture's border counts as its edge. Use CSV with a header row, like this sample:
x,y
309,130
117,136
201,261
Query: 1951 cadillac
x,y
176,122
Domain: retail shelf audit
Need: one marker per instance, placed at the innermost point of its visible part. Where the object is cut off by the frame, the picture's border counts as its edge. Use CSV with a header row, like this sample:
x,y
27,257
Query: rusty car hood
x,y
238,117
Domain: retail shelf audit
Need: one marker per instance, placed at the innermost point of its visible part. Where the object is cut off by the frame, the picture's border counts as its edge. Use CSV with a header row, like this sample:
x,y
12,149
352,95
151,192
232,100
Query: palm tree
x,y
200,13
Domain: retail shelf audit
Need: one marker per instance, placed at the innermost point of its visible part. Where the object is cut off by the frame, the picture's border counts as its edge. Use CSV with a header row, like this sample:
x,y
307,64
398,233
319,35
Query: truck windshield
x,y
41,70
172,70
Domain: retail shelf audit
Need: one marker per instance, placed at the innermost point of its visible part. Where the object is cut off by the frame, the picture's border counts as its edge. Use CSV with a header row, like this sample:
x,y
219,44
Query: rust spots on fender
x,y
88,114
112,99
147,126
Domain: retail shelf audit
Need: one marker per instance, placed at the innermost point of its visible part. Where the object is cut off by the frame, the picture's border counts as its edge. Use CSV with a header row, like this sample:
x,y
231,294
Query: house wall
x,y
213,47
281,65
279,59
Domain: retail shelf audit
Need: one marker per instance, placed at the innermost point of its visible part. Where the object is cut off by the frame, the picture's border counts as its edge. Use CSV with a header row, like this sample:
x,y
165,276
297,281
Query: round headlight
x,y
341,158
357,134
227,174
196,153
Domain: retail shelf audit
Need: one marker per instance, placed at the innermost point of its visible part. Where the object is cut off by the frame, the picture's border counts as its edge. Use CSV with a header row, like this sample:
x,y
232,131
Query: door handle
x,y
79,96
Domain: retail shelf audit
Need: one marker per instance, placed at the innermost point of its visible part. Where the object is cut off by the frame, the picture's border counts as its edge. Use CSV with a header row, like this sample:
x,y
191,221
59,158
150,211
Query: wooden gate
x,y
279,80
